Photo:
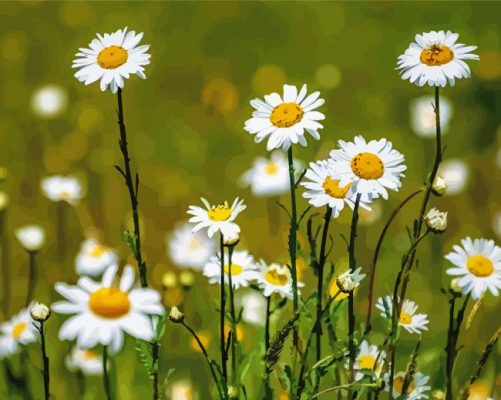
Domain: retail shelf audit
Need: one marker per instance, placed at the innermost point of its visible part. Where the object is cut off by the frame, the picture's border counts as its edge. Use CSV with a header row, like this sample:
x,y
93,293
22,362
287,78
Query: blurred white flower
x,y
19,330
49,101
243,269
423,116
31,237
254,308
188,249
496,223
62,188
416,389
436,220
181,390
89,362
94,257
456,173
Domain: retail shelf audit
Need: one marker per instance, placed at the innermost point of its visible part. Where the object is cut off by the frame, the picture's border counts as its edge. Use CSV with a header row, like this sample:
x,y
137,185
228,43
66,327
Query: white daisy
x,y
416,388
323,189
409,320
253,308
369,359
275,278
187,249
435,59
217,218
89,362
478,263
269,177
243,269
284,119
104,311
456,174
16,332
374,166
423,116
31,237
111,58
62,188
94,258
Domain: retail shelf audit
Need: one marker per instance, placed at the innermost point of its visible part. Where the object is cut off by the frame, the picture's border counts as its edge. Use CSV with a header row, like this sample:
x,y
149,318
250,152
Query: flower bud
x,y
440,186
455,287
349,281
187,279
31,237
169,280
4,201
231,240
175,315
436,220
232,392
40,312
438,395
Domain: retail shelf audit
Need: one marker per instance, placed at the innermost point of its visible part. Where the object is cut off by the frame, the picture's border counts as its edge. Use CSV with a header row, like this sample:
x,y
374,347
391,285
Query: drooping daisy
x,y
409,320
62,188
374,166
423,116
435,59
217,218
17,332
105,311
416,388
187,249
369,359
456,173
31,237
94,257
269,177
243,269
275,278
323,189
284,119
89,362
478,264
112,58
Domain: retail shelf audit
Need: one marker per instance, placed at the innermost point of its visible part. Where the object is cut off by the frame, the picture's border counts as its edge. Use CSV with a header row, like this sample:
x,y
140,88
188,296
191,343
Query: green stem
x,y
106,377
293,230
32,277
4,260
45,360
233,320
222,343
267,387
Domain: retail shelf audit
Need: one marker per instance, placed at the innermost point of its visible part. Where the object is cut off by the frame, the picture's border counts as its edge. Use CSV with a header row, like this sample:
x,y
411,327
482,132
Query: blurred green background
x,y
185,127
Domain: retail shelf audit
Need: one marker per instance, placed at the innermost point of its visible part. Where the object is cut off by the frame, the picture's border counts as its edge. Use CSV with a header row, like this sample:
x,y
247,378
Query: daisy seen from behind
x,y
112,58
62,188
284,119
16,332
243,269
478,265
416,389
104,311
94,257
409,320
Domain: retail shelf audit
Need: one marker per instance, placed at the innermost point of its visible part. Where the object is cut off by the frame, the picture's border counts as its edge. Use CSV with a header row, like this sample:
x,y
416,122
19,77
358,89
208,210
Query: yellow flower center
x,y
235,269
109,303
286,114
271,168
436,55
331,187
366,361
98,250
480,266
18,330
367,166
398,385
276,278
112,57
219,213
405,318
89,355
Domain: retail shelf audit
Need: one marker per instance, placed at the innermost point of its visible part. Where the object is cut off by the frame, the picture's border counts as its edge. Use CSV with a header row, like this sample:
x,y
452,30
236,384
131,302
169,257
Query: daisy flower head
x,y
62,188
374,166
478,265
323,189
94,257
283,119
275,278
188,249
409,320
104,311
416,389
111,58
217,218
369,359
243,269
16,332
434,58
89,362
31,237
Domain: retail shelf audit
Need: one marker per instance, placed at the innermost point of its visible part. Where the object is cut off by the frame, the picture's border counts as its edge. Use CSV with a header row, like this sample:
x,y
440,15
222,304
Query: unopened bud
x,y
40,312
187,279
231,240
169,280
348,281
436,220
4,200
232,392
438,395
440,186
455,287
175,315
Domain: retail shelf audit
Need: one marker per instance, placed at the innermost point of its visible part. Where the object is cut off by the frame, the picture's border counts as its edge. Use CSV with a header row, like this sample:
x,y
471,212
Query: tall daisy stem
x,y
106,377
132,186
233,320
45,361
32,276
222,344
267,387
4,260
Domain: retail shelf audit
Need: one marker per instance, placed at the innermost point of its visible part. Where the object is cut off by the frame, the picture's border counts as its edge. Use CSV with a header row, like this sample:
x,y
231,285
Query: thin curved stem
x,y
293,230
32,277
233,320
222,342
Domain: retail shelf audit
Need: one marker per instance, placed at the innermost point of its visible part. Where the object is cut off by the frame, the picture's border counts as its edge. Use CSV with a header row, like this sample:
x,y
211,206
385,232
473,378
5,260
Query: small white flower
x,y
40,312
323,189
112,58
62,188
269,177
49,101
375,166
478,264
217,218
435,59
275,278
243,269
456,174
409,320
187,249
31,237
349,280
284,119
440,186
253,308
369,359
436,220
89,362
94,257
416,389
423,116
103,312
16,332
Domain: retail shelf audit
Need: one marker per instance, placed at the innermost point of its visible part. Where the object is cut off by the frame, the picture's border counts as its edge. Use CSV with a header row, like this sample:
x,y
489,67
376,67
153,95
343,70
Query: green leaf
x,y
143,348
131,242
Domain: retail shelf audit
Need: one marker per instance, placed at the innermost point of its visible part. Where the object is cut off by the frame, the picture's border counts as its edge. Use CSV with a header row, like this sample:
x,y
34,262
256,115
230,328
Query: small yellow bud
x,y
438,395
440,186
187,278
4,200
169,280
